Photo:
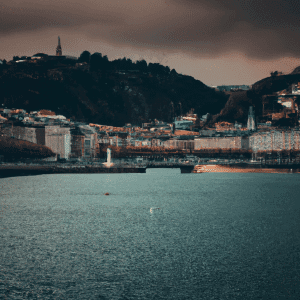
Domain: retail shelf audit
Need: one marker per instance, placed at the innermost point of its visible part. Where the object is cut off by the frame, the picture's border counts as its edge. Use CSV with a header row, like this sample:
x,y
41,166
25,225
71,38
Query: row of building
x,y
83,141
265,140
66,142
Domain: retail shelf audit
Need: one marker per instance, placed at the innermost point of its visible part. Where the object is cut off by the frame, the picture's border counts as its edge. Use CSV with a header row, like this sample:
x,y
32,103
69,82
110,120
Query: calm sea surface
x,y
159,235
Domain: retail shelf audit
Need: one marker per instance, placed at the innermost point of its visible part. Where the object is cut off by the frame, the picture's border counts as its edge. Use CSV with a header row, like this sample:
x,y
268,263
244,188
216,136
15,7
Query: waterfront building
x,y
58,139
59,144
83,142
34,135
275,140
117,141
142,141
226,142
77,144
180,144
157,142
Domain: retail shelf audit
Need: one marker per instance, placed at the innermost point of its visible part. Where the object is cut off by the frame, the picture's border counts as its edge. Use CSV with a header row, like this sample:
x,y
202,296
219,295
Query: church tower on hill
x,y
58,48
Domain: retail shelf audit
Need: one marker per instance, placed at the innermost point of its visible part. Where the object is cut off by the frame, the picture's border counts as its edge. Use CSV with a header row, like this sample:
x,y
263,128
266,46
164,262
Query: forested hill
x,y
237,107
94,89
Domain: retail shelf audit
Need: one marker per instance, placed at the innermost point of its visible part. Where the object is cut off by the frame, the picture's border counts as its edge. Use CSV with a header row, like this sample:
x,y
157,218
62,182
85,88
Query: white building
x,y
275,140
183,124
59,144
58,139
226,142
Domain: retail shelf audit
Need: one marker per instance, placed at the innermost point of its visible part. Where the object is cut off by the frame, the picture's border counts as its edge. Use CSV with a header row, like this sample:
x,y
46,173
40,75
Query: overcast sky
x,y
215,41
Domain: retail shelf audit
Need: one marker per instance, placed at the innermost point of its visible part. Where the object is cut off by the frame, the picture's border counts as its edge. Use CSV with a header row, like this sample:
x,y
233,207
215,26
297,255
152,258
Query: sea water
x,y
159,235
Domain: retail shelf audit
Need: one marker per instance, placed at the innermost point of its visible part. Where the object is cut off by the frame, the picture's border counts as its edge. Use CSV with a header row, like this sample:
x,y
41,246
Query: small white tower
x,y
108,163
108,157
251,119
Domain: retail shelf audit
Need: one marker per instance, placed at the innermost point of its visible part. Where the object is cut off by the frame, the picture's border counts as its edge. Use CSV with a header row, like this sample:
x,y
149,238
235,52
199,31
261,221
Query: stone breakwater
x,y
12,170
29,170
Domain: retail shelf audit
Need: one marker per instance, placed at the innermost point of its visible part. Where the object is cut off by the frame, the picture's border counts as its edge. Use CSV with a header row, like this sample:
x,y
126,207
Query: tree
x,y
173,72
105,63
275,73
16,149
95,61
99,62
84,57
141,65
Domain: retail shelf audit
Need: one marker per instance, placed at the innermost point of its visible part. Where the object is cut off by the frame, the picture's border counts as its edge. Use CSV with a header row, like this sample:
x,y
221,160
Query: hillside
x,y
237,106
103,92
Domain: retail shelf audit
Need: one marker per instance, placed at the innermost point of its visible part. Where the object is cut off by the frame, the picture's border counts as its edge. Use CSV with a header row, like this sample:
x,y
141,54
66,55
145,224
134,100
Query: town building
x,y
34,135
180,144
275,140
58,139
84,142
183,124
225,142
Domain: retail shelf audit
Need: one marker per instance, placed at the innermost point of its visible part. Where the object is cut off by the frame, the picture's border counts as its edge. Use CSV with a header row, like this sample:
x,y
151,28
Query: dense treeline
x,y
14,149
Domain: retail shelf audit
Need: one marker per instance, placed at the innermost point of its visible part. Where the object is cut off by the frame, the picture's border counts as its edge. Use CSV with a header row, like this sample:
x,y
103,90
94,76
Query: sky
x,y
229,42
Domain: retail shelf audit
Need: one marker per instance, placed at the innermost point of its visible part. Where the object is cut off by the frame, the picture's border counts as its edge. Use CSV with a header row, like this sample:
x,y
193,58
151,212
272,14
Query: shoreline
x,y
31,170
246,169
13,170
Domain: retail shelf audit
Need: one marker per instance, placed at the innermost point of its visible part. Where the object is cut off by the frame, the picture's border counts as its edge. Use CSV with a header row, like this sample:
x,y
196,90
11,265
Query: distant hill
x,y
99,91
229,88
296,70
237,106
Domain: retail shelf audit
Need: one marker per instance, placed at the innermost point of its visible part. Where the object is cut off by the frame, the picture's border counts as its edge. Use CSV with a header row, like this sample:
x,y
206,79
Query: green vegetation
x,y
14,149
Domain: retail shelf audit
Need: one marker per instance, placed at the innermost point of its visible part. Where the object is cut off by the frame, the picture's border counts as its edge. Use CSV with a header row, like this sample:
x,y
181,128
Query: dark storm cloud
x,y
18,17
261,29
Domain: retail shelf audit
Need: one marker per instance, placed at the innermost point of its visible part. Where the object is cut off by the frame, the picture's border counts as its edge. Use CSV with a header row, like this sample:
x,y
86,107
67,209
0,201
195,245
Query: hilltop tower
x,y
251,119
58,48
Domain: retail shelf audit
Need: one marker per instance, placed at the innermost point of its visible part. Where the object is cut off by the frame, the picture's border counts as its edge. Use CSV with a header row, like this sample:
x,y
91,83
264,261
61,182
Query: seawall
x,y
11,171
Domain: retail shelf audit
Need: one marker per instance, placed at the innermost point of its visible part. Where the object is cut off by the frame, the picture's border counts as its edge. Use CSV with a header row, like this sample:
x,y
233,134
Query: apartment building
x,y
275,140
226,142
84,142
180,144
58,139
